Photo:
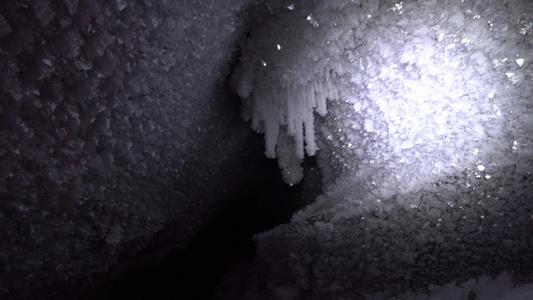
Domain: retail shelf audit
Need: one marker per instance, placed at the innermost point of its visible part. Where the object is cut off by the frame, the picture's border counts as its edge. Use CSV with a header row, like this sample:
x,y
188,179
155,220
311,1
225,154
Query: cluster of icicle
x,y
290,66
290,107
286,116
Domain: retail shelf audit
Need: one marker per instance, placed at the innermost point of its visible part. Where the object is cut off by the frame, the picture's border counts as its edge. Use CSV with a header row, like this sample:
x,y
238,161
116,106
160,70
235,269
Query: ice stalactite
x,y
292,107
290,67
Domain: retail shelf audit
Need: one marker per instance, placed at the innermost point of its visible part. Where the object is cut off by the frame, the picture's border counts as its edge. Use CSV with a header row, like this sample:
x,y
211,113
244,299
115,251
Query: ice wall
x,y
109,111
426,151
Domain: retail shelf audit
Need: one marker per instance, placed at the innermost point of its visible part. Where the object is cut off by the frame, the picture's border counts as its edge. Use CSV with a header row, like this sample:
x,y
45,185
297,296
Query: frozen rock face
x,y
426,148
113,125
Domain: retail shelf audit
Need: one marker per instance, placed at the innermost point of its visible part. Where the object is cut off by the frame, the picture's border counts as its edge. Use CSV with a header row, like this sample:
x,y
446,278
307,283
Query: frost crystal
x,y
121,4
312,20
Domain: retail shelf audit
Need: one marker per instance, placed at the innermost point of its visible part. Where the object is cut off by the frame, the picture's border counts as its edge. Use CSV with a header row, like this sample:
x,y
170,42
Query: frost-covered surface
x,y
486,288
426,148
110,130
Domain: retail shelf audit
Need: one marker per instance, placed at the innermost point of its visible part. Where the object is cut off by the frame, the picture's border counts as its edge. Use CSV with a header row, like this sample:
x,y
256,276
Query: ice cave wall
x,y
114,124
111,113
425,149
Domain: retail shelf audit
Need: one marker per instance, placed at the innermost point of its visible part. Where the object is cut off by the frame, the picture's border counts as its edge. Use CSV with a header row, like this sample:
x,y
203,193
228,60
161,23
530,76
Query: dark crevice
x,y
194,273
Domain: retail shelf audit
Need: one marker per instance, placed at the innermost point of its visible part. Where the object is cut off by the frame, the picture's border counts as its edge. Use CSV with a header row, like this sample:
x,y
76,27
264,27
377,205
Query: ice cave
x,y
266,149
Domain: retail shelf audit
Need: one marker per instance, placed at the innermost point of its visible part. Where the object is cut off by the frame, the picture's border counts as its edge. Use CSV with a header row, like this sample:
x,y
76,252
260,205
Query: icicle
x,y
281,105
289,163
291,115
292,108
310,94
299,140
271,129
310,146
321,100
257,111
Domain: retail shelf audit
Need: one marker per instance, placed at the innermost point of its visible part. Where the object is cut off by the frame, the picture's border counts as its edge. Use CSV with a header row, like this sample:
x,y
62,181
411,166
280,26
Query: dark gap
x,y
194,273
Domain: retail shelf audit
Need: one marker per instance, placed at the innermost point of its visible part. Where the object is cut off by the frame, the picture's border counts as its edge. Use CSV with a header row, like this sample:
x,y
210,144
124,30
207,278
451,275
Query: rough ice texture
x,y
487,288
426,155
108,114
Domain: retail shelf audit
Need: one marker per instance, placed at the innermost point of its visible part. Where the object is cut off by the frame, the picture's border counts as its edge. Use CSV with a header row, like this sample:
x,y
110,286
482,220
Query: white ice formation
x,y
291,65
426,149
